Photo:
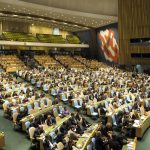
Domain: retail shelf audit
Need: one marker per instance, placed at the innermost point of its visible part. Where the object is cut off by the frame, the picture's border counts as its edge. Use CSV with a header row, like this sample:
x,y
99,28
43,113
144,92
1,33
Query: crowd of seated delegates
x,y
106,138
67,134
72,129
29,96
124,119
20,90
92,81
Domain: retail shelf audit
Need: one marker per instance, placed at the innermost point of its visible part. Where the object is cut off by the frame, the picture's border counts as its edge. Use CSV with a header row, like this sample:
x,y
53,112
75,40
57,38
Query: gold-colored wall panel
x,y
133,22
34,29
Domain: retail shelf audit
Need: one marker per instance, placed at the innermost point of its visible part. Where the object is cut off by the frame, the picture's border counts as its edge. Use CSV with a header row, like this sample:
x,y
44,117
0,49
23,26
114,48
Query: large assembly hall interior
x,y
74,74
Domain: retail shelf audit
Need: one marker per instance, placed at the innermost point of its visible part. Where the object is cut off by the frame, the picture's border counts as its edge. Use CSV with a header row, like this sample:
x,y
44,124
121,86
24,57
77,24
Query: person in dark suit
x,y
41,119
72,119
106,130
48,121
77,116
100,144
59,136
35,122
114,143
79,128
38,131
63,128
47,143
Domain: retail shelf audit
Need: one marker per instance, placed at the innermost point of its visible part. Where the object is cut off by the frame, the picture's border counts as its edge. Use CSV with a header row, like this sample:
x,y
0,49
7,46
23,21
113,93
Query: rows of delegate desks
x,y
86,136
34,115
143,125
51,129
110,115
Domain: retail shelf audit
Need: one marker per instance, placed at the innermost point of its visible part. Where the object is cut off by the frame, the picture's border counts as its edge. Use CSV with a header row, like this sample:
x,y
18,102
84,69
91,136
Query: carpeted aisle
x,y
14,140
144,144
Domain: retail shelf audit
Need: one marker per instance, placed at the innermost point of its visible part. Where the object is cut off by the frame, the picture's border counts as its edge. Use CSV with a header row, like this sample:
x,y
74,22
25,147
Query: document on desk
x,y
136,123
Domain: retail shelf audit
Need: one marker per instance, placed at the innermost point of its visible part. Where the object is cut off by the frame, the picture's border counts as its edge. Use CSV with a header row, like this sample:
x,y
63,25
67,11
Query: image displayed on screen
x,y
108,45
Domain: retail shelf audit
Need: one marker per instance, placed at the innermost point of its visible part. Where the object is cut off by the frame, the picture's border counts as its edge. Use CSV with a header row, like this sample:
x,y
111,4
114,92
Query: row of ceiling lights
x,y
43,19
94,22
73,29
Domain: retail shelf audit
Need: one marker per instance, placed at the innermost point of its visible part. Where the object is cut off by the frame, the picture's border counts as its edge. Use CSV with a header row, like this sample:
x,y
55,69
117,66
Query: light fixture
x,y
53,20
15,15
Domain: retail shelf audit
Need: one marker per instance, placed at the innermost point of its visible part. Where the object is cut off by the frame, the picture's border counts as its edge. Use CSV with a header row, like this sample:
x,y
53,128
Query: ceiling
x,y
70,16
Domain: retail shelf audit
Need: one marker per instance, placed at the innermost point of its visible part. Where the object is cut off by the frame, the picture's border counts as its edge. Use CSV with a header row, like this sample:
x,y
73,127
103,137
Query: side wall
x,y
134,22
89,37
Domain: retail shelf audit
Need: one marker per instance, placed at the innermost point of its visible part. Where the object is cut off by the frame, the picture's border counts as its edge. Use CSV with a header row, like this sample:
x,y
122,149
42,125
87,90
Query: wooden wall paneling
x,y
133,22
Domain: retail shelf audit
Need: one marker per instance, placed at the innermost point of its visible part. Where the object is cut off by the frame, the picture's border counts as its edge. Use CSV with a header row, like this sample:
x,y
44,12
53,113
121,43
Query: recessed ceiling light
x,y
15,15
53,20
32,24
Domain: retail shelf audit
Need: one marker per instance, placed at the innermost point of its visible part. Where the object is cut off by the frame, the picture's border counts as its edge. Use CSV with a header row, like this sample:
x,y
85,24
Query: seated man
x,y
50,120
100,143
47,143
38,131
72,135
59,136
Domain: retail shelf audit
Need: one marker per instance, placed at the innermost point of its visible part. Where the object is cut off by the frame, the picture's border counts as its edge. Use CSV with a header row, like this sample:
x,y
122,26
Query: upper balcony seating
x,y
23,37
48,38
72,39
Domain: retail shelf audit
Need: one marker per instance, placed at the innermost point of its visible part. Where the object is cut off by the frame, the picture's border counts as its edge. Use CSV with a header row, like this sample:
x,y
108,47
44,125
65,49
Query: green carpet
x,y
14,140
144,144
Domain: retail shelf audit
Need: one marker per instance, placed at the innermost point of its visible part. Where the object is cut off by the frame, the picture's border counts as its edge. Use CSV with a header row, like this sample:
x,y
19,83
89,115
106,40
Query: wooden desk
x,y
51,129
2,140
133,145
140,130
30,117
109,116
86,137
